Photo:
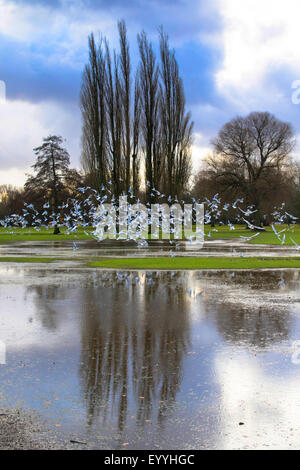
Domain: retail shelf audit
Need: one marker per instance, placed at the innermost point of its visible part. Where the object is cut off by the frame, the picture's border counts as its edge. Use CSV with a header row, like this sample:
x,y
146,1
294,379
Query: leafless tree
x,y
136,138
133,124
250,155
149,98
113,94
125,85
176,128
92,99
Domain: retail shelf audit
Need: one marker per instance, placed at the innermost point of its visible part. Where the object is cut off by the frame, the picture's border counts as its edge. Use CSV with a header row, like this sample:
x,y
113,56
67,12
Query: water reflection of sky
x,y
166,360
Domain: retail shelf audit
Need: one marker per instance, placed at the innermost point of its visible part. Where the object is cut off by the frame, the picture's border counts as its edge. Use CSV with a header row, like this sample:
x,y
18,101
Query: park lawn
x,y
18,234
25,259
220,232
186,263
267,237
170,263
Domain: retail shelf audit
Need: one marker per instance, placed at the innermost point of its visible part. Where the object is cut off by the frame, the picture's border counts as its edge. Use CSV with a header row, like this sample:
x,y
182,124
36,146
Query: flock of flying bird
x,y
84,212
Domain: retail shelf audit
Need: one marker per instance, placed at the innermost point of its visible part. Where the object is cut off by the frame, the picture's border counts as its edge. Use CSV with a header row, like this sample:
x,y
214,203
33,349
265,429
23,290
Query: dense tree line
x,y
11,200
136,131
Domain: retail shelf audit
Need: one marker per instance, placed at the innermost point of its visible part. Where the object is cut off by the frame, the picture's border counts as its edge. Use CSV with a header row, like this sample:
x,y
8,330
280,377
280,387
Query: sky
x,y
234,57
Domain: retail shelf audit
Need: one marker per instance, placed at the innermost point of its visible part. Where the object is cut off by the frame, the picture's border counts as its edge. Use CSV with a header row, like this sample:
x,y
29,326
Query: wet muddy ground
x,y
149,360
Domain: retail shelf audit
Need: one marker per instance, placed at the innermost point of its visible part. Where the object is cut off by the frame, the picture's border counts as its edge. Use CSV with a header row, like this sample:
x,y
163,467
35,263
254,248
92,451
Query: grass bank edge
x,y
25,259
190,263
171,264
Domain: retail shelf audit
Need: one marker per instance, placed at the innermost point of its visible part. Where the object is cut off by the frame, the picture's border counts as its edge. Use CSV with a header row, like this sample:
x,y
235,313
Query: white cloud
x,y
258,37
23,125
14,176
200,149
209,119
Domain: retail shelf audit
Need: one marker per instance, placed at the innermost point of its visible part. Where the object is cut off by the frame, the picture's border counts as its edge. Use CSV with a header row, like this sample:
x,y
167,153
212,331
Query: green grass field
x,y
219,232
196,263
45,234
171,264
268,237
25,259
222,232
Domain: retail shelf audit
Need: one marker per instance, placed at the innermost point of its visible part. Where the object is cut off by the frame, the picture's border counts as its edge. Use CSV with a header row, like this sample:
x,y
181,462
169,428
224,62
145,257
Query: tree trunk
x,y
56,230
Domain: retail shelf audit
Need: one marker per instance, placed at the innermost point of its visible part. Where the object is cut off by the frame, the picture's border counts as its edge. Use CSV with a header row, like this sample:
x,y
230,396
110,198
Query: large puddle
x,y
111,248
154,360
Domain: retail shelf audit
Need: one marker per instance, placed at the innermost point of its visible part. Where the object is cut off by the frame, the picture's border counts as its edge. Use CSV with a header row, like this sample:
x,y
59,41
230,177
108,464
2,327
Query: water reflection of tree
x,y
45,305
259,324
134,337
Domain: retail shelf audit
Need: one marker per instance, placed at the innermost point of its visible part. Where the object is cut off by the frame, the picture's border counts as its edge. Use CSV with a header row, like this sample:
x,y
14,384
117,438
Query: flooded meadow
x,y
153,360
